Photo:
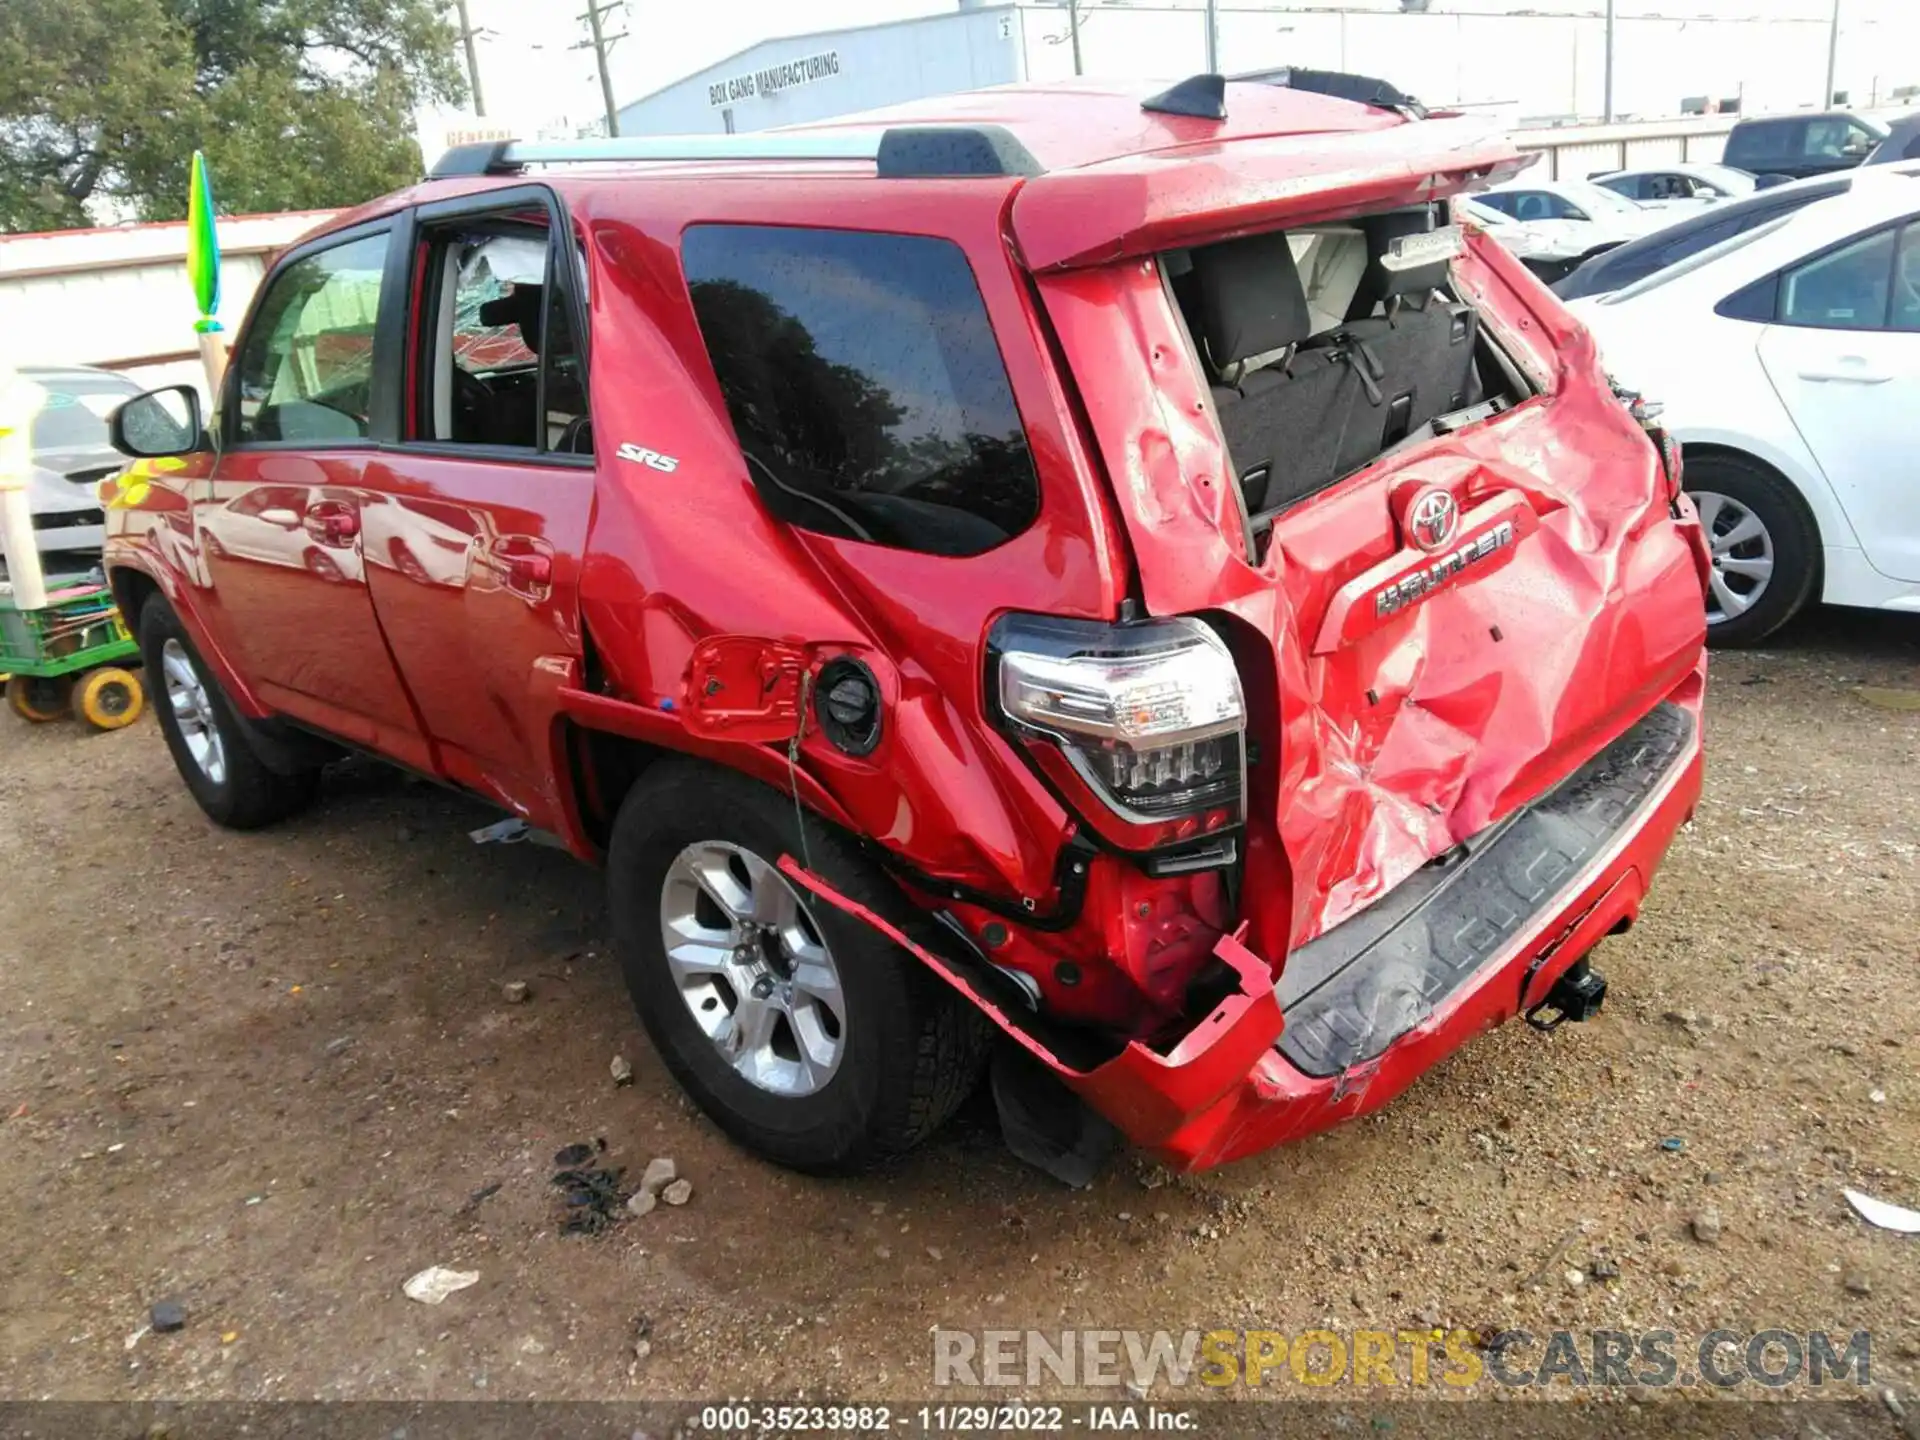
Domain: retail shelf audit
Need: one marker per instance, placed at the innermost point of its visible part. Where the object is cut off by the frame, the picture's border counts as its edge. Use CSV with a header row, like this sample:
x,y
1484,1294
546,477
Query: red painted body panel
x,y
474,617
474,570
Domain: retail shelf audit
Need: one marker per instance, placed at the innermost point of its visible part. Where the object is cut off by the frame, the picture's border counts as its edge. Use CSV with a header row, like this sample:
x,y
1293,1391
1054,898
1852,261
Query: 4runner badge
x,y
640,455
1477,542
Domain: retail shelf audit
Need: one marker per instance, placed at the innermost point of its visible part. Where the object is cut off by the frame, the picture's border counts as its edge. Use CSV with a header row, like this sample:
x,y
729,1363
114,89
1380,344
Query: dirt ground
x,y
270,1076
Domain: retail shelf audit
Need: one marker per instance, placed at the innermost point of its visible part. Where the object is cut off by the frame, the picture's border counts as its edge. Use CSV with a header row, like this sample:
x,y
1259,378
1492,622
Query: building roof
x,y
59,252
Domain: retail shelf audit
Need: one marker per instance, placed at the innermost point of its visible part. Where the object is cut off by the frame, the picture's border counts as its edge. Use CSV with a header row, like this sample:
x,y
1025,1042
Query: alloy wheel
x,y
753,971
193,710
1742,552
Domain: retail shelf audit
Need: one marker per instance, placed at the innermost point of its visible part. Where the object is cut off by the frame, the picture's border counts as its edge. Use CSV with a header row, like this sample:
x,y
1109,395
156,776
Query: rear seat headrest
x,y
1251,299
1379,283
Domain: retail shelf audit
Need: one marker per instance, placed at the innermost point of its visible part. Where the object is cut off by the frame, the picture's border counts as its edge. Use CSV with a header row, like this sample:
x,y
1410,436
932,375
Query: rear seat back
x,y
1404,369
1274,401
1412,362
1300,410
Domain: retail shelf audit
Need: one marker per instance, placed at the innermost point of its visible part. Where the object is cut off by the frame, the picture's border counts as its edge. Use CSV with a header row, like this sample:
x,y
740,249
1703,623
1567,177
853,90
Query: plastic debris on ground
x,y
591,1199
435,1283
1884,697
513,831
501,832
1883,1214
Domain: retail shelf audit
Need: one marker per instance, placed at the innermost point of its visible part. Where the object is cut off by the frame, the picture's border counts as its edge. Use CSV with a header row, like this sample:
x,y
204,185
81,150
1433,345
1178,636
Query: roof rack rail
x,y
899,152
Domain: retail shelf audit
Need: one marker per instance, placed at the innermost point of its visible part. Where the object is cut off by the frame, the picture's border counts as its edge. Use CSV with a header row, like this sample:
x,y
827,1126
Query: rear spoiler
x,y
1362,89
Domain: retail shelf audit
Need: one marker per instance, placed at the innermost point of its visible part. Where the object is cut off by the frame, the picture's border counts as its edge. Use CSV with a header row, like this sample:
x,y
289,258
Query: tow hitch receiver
x,y
1576,995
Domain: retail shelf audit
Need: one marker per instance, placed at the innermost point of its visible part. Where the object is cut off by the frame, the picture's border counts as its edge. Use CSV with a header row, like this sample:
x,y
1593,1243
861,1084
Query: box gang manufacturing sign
x,y
787,75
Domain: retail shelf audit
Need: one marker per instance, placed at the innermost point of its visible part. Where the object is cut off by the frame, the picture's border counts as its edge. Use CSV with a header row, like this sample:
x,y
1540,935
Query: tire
x,y
1766,548
907,1049
109,698
210,747
38,698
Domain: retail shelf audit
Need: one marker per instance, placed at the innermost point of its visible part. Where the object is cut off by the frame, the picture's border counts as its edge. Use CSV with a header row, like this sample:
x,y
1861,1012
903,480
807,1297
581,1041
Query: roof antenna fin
x,y
1204,97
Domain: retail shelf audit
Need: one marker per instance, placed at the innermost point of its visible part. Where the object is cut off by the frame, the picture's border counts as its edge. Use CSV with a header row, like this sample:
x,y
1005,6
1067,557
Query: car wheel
x,y
804,1033
1765,547
209,746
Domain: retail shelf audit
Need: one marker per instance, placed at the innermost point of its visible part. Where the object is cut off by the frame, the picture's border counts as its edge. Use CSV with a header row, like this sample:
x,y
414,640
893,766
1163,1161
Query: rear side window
x,y
1761,140
863,380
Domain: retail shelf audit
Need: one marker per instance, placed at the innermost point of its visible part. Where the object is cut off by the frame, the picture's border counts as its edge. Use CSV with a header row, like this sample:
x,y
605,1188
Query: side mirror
x,y
158,423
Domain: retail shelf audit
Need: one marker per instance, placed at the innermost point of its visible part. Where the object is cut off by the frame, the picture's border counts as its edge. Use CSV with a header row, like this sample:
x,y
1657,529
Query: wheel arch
x,y
133,584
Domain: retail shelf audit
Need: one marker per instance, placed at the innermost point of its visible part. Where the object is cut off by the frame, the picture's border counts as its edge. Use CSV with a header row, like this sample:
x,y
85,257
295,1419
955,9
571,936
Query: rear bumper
x,y
1360,1013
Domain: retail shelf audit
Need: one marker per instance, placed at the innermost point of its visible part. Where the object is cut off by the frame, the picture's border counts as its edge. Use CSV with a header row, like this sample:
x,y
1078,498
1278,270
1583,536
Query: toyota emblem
x,y
1431,519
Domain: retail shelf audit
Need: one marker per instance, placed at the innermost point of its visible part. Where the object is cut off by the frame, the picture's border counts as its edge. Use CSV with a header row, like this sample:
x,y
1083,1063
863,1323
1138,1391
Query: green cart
x,y
70,658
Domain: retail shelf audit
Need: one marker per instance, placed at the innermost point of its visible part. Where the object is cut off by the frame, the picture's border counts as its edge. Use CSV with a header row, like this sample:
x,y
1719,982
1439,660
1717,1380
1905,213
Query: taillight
x,y
1148,717
1670,459
1646,414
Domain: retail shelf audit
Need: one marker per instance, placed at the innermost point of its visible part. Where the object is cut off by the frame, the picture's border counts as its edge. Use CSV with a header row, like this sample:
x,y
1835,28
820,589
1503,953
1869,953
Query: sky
x,y
534,81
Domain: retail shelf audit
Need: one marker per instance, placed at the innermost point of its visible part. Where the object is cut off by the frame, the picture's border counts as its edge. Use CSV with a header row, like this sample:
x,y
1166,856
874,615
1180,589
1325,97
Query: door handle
x,y
1847,370
333,522
527,563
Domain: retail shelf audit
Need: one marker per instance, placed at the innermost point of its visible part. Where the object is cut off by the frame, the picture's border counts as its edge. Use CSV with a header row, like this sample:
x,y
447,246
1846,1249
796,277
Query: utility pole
x,y
467,34
1833,55
1608,102
1073,31
1213,38
601,43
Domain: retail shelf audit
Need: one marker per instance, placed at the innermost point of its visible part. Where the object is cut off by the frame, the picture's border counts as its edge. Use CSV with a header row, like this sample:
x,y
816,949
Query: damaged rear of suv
x,y
1117,583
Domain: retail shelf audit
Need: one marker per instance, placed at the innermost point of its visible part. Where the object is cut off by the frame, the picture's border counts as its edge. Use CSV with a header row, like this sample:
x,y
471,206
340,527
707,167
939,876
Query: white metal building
x,y
120,298
1534,62
815,77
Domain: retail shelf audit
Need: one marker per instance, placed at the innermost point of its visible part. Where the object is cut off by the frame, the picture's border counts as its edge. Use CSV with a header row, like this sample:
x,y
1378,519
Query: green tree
x,y
298,104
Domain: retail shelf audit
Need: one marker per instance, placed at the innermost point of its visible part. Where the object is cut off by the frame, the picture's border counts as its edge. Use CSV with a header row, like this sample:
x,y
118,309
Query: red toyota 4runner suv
x,y
1114,583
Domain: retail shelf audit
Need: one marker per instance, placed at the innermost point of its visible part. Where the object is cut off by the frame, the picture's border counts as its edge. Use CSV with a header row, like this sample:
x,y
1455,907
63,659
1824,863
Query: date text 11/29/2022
x,y
745,1418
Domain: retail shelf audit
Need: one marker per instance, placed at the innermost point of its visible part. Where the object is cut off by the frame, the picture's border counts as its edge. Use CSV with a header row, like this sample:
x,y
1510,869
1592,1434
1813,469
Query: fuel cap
x,y
847,704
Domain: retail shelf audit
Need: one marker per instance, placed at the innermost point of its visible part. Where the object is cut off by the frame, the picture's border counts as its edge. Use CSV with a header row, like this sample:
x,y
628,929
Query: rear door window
x,y
1845,289
862,376
499,361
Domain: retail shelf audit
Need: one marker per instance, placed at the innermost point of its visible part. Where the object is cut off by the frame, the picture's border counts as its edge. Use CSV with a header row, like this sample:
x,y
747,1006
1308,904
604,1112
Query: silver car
x,y
70,456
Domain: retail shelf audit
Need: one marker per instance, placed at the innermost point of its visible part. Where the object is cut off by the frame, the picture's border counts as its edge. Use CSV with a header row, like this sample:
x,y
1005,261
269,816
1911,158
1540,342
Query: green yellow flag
x,y
203,250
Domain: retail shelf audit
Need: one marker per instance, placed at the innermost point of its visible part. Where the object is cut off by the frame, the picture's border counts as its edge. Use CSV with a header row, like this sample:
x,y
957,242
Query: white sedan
x,y
1788,362
1555,225
1685,187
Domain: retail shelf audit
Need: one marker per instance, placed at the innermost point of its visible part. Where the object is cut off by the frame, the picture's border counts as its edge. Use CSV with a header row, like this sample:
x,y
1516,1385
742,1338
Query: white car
x,y
1788,363
1684,188
1555,225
